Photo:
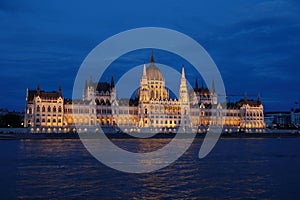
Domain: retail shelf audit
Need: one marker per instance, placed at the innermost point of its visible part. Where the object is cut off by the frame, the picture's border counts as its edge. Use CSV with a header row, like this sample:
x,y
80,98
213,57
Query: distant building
x,y
152,107
44,108
278,119
295,117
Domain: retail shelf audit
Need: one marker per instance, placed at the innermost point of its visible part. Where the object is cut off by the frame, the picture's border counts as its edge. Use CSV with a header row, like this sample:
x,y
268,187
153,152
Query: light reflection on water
x,y
236,168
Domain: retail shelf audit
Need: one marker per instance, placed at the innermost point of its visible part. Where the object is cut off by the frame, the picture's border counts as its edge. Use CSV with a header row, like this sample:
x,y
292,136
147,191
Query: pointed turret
x,y
184,101
144,80
59,91
38,89
258,99
112,82
144,70
214,96
183,91
213,90
144,89
113,92
182,73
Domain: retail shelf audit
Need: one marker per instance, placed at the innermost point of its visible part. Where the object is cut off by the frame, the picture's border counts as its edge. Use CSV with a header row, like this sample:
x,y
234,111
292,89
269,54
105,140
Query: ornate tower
x,y
184,102
213,94
144,120
183,91
113,92
90,95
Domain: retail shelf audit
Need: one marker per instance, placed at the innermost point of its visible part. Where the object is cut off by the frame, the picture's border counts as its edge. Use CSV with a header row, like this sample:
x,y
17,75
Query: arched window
x,y
146,111
30,111
54,109
38,109
43,109
49,109
37,120
59,109
102,102
152,94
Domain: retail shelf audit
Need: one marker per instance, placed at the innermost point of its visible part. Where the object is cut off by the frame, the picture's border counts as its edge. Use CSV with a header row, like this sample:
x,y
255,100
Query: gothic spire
x,y
112,83
182,72
59,90
183,90
144,70
38,89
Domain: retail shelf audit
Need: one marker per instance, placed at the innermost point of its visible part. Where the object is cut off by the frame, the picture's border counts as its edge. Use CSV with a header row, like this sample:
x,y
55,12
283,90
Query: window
x,y
54,109
37,120
49,109
59,109
38,109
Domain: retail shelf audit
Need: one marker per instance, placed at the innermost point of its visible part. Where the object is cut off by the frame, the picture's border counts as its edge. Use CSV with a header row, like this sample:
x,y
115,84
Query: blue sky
x,y
255,44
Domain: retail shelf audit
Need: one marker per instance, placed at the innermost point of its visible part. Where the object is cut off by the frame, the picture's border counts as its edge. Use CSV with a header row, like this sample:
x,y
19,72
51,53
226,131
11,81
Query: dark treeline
x,y
11,120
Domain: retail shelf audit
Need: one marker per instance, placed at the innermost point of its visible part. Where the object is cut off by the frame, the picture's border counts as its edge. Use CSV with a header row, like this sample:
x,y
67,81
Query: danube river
x,y
236,168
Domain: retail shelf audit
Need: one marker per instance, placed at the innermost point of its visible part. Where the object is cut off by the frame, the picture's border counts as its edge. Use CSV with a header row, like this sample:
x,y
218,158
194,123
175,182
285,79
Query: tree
x,y
10,120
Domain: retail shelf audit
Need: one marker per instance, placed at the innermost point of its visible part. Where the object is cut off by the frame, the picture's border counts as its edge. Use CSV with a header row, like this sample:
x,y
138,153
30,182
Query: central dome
x,y
153,73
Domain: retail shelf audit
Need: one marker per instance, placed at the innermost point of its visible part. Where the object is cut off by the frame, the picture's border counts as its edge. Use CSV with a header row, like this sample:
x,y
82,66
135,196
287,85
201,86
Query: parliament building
x,y
152,108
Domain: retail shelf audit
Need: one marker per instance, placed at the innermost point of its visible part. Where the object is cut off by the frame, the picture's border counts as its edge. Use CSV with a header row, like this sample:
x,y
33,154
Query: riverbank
x,y
121,135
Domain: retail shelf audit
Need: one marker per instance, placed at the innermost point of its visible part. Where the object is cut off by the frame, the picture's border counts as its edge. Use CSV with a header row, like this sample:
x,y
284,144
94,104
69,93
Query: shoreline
x,y
20,136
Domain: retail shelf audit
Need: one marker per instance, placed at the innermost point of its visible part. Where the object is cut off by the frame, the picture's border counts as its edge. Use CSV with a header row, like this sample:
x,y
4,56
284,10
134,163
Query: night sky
x,y
255,44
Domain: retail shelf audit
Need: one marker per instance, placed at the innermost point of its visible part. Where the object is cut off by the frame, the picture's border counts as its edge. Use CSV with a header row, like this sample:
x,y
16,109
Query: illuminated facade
x,y
152,109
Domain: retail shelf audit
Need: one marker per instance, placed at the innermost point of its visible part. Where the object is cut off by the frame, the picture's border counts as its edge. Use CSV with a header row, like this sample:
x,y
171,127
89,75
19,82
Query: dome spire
x,y
152,57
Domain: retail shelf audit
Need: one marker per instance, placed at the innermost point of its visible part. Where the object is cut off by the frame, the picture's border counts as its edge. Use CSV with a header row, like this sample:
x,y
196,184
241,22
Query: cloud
x,y
255,43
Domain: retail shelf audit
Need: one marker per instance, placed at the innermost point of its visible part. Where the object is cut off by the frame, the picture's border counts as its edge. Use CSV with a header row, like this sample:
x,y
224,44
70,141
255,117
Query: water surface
x,y
236,168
